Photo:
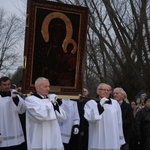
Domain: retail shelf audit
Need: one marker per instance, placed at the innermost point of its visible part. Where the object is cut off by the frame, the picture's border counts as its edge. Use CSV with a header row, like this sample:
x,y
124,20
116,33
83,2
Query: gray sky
x,y
13,6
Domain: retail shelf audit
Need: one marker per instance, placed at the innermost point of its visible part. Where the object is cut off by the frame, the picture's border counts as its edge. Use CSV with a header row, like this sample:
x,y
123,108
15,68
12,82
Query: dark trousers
x,y
73,143
84,141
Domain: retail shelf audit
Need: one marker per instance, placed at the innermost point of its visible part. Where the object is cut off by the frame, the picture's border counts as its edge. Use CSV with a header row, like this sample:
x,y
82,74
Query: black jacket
x,y
127,119
142,127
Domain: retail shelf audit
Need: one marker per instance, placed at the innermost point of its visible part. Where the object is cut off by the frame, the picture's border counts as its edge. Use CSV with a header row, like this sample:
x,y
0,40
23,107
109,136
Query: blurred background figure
x,y
85,92
125,97
134,140
142,125
134,107
83,122
142,98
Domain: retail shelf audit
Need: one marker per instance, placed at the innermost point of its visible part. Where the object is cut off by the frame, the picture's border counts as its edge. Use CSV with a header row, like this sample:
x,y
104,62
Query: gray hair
x,y
99,86
38,80
122,91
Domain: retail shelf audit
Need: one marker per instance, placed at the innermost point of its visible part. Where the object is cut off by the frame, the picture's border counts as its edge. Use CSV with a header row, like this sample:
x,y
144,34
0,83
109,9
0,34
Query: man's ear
x,y
37,89
97,91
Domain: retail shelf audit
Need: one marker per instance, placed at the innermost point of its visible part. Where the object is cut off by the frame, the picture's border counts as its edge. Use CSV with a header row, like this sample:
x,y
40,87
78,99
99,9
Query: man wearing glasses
x,y
105,121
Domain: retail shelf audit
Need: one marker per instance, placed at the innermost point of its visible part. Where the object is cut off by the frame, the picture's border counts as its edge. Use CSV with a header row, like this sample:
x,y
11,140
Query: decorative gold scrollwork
x,y
69,31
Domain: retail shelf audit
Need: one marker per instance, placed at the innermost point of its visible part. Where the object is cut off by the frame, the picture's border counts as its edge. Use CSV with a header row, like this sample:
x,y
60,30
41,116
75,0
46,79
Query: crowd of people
x,y
41,121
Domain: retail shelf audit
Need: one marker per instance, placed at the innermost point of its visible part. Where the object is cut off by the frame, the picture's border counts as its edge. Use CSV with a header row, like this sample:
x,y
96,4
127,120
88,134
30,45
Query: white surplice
x,y
10,125
71,109
105,130
42,127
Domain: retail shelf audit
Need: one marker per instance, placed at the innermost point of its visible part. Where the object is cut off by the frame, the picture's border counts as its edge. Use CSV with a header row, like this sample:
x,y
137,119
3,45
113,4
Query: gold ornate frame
x,y
55,46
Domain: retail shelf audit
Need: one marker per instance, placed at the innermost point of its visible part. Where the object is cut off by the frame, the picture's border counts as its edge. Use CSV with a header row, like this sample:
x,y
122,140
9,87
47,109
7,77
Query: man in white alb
x,y
42,117
11,105
105,121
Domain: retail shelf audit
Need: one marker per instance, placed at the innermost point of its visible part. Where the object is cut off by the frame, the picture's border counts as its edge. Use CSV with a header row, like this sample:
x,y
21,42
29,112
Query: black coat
x,y
127,119
142,127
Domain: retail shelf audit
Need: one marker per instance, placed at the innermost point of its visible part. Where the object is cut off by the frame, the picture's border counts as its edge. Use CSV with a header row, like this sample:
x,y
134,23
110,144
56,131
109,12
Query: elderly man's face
x,y
117,95
44,88
104,91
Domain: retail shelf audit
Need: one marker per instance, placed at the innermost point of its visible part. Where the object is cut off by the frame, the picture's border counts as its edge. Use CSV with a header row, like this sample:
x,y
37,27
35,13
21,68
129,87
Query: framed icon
x,y
55,46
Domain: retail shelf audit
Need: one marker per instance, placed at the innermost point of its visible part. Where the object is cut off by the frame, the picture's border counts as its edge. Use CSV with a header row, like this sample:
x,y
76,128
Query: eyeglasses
x,y
105,90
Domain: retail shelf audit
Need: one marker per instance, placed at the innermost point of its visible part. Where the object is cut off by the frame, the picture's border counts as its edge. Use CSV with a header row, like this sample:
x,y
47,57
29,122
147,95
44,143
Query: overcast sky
x,y
13,6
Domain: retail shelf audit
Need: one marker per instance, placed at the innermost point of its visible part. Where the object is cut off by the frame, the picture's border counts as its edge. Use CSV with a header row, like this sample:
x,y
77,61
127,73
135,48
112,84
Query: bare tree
x,y
11,33
130,24
17,77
